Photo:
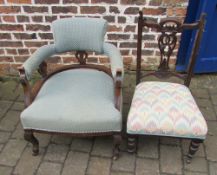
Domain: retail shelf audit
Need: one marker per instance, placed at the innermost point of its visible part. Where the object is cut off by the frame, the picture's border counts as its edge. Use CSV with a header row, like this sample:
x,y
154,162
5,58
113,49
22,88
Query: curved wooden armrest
x,y
118,86
26,86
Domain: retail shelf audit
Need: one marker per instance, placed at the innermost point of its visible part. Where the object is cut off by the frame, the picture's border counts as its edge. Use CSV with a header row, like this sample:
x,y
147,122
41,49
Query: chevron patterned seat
x,y
163,108
166,109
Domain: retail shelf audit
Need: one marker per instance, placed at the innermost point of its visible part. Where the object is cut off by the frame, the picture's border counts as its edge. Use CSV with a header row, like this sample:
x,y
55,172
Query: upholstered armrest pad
x,y
115,58
37,58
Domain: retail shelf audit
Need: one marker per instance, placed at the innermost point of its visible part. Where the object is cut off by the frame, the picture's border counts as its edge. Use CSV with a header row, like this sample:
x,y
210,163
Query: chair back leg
x,y
194,146
131,144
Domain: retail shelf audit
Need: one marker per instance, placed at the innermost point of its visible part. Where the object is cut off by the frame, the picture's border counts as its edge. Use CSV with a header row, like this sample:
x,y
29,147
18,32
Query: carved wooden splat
x,y
167,41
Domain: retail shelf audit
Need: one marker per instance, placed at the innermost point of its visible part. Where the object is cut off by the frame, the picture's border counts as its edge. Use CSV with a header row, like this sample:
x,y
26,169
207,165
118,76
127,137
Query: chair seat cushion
x,y
74,101
165,109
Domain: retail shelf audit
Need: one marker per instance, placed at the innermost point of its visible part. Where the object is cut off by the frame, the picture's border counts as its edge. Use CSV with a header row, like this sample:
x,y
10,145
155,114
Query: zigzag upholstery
x,y
167,109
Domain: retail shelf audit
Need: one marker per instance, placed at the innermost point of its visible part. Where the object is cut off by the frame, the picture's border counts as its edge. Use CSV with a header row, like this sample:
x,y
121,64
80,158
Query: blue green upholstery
x,y
35,60
72,34
75,101
79,34
115,57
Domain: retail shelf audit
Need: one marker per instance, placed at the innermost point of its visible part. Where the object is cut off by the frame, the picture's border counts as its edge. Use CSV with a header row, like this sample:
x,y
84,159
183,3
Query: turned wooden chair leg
x,y
28,136
194,146
117,141
131,143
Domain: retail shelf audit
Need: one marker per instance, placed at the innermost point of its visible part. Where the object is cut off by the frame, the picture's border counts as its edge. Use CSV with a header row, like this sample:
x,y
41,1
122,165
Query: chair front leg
x,y
194,146
28,136
131,143
117,138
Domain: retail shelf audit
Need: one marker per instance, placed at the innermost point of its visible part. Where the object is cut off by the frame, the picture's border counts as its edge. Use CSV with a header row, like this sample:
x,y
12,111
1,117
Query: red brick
x,y
66,9
9,19
11,51
170,11
180,11
11,44
128,45
130,28
92,59
151,45
37,27
127,60
22,36
37,18
131,10
137,2
65,16
23,51
47,1
153,11
35,43
32,50
33,9
46,35
10,27
172,2
121,19
146,37
1,1
118,36
105,1
114,9
103,60
50,18
20,1
21,58
2,52
92,9
5,36
124,51
155,2
144,52
22,18
70,60
6,59
109,18
54,59
9,9
114,28
75,1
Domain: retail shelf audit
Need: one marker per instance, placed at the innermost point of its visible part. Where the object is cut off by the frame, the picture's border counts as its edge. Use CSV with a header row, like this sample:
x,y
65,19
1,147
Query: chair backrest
x,y
79,34
168,28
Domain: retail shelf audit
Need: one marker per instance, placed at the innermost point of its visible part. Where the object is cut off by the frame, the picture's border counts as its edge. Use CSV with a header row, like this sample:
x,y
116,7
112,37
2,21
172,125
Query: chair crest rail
x,y
169,29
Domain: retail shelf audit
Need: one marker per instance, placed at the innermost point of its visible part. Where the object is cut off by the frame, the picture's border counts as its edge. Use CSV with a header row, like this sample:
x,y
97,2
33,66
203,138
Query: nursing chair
x,y
81,99
164,108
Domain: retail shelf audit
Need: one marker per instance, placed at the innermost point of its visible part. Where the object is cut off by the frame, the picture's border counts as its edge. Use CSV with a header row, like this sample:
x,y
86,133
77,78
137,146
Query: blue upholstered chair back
x,y
79,34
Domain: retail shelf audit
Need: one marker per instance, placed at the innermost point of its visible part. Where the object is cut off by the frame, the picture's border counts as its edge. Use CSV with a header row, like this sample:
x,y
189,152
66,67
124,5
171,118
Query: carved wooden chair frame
x,y
30,92
168,28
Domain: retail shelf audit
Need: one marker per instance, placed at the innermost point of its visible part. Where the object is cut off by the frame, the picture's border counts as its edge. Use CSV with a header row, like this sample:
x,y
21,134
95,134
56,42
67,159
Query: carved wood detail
x,y
81,57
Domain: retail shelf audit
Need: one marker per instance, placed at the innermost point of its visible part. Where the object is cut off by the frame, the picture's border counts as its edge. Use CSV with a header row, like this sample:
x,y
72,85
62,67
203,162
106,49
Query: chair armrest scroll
x,y
37,59
115,58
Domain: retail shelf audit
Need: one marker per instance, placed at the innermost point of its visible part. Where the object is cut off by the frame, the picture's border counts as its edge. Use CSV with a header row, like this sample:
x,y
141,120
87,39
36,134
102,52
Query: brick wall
x,y
25,26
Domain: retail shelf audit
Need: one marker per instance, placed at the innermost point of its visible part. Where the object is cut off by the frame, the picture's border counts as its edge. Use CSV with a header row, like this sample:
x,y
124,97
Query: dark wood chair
x,y
164,108
81,99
